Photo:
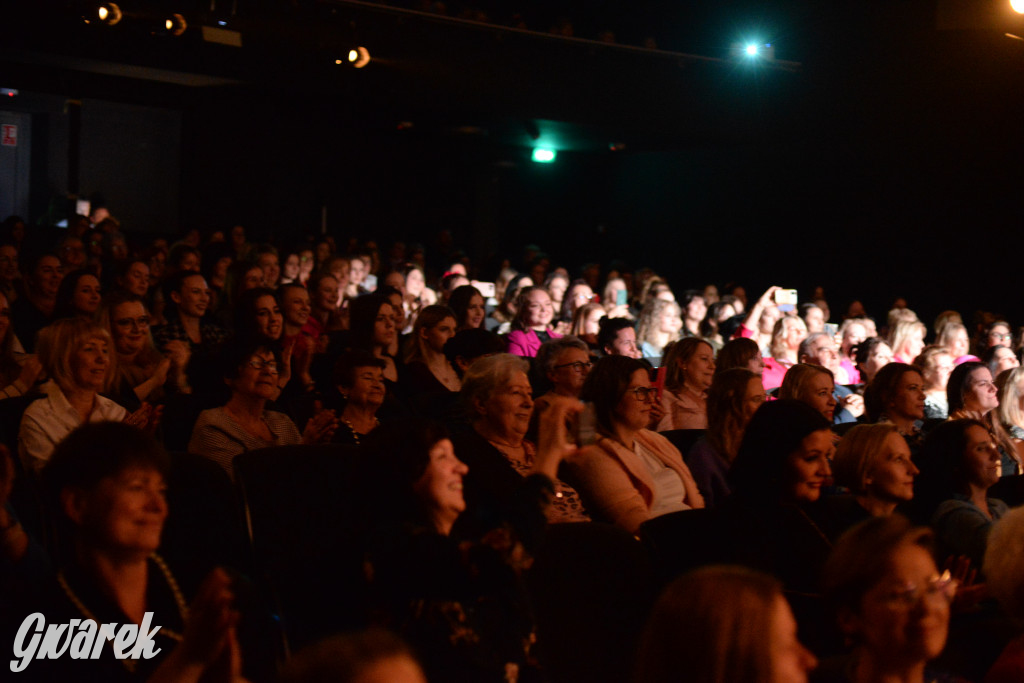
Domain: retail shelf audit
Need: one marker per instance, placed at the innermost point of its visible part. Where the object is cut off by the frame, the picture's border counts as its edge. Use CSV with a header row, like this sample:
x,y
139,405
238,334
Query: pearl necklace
x,y
179,600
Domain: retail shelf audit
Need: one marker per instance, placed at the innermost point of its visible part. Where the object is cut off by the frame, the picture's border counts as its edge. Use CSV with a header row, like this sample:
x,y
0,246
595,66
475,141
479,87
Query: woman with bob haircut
x,y
243,423
532,324
498,398
896,395
108,483
873,462
907,340
935,363
733,398
813,385
722,624
871,355
888,597
76,355
740,353
631,474
689,367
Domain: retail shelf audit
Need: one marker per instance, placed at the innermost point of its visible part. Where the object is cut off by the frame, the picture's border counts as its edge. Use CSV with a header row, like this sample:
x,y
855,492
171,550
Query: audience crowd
x,y
320,461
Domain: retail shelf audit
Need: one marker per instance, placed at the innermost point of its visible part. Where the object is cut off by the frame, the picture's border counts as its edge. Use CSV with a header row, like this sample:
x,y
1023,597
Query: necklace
x,y
179,600
356,435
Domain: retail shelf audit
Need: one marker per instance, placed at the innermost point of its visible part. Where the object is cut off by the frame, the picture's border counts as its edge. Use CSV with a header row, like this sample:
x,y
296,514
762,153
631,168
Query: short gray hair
x,y
552,349
487,373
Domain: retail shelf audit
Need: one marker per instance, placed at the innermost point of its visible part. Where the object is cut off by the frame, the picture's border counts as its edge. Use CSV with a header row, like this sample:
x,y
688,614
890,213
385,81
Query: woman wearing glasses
x,y
243,423
890,601
565,364
630,474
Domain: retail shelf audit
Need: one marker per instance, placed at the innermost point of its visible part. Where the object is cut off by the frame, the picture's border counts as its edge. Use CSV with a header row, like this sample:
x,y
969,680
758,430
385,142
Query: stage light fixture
x,y
1017,6
175,24
359,57
751,50
544,156
109,13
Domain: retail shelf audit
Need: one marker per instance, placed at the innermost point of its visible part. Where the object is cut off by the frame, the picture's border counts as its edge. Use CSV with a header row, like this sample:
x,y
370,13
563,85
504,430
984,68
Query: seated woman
x,y
17,377
631,474
718,312
722,623
693,311
359,378
787,335
999,358
324,314
498,398
532,324
296,336
142,372
372,328
996,333
76,355
777,477
658,326
469,306
586,323
1004,576
610,300
813,385
78,296
188,298
890,600
556,284
243,423
733,398
109,481
462,608
871,355
852,332
873,462
959,463
504,313
954,337
740,353
906,340
972,394
935,363
1011,405
427,370
896,396
813,317
578,294
689,367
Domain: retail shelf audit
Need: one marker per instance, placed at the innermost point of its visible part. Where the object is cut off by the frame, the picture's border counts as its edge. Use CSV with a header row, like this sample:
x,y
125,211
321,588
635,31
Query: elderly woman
x,y
871,355
896,395
873,462
690,366
813,385
631,474
109,483
76,355
499,400
359,378
959,463
723,623
243,423
659,324
565,363
532,324
733,398
890,600
936,364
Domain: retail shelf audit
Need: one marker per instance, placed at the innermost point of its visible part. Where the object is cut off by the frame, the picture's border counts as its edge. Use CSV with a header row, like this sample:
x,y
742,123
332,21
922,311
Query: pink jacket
x,y
526,343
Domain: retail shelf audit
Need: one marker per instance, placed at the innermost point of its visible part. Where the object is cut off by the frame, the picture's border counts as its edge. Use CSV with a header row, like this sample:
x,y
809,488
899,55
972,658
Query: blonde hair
x,y
650,317
946,318
901,333
1004,562
781,331
1010,413
859,453
798,380
58,343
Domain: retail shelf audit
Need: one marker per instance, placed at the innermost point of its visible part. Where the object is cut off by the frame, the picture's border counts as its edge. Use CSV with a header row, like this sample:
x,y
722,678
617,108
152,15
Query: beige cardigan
x,y
617,486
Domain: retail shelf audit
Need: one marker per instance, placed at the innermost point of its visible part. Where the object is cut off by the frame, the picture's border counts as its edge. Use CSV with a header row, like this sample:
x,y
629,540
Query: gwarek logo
x,y
81,639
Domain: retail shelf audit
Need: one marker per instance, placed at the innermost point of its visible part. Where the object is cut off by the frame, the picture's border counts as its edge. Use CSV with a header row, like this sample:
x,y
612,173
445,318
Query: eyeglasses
x,y
141,323
260,364
644,394
996,335
910,594
578,366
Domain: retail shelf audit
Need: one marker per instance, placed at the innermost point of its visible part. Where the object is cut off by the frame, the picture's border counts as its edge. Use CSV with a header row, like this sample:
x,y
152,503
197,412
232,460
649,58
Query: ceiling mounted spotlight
x,y
109,13
175,24
359,57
